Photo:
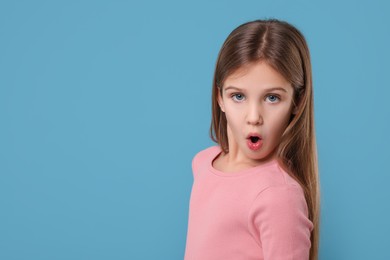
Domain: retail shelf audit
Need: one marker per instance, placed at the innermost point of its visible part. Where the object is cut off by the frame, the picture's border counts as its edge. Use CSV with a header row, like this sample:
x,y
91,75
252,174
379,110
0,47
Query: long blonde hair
x,y
283,47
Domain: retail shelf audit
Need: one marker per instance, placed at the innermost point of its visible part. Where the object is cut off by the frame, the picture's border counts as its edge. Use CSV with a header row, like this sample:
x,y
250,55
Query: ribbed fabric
x,y
254,214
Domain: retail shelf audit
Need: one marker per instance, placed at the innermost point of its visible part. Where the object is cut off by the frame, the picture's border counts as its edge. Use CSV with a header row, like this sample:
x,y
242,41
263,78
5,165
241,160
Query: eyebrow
x,y
268,89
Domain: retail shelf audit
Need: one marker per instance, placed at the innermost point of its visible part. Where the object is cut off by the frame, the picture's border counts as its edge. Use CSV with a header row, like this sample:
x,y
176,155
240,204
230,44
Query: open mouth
x,y
254,139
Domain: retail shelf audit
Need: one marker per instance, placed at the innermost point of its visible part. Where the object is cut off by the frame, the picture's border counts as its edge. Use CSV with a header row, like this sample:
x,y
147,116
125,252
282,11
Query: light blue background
x,y
103,104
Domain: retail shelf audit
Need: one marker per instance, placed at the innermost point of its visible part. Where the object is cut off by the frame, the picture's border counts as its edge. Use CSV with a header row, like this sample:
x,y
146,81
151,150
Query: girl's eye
x,y
237,95
274,98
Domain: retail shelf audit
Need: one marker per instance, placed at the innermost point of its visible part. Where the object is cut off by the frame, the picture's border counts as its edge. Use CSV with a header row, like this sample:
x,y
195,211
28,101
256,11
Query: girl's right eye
x,y
237,95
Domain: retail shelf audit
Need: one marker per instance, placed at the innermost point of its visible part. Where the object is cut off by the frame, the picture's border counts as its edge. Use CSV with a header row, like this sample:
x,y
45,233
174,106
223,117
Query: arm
x,y
278,221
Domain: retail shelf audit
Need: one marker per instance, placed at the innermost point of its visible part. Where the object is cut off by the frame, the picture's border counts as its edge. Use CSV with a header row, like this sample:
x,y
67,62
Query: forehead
x,y
257,77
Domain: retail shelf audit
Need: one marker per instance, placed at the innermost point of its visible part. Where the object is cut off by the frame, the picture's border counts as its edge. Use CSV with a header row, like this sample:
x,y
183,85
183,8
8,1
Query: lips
x,y
254,137
254,141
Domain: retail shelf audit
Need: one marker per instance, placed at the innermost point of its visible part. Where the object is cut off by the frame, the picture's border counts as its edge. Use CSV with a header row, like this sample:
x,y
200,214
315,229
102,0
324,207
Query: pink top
x,y
257,213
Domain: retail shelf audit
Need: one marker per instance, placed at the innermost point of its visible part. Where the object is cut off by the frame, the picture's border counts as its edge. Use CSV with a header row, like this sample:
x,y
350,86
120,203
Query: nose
x,y
254,116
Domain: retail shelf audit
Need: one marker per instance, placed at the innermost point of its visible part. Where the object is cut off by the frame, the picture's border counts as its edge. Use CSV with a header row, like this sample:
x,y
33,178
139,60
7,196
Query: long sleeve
x,y
278,221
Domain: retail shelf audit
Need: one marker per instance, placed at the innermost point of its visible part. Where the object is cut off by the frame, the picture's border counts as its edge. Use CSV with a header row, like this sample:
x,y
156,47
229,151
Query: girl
x,y
256,194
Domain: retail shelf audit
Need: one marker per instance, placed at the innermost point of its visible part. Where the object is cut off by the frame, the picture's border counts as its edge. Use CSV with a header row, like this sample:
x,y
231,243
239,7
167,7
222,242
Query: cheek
x,y
234,119
277,124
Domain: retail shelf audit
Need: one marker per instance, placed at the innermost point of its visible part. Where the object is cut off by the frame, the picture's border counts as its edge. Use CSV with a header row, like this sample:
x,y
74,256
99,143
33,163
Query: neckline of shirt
x,y
216,150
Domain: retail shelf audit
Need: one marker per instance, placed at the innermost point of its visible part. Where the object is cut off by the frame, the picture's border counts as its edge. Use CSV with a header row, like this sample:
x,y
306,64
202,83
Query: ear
x,y
220,100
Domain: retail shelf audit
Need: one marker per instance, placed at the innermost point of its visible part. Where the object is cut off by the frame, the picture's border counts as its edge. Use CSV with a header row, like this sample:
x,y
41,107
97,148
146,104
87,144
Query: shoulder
x,y
281,207
280,211
281,199
278,193
203,156
274,177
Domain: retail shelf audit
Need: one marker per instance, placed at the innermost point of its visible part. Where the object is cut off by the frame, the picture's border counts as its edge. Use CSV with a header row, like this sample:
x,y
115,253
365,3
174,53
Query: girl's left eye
x,y
274,97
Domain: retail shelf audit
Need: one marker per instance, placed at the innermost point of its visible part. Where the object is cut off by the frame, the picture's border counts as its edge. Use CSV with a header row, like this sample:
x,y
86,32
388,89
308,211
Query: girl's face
x,y
256,99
